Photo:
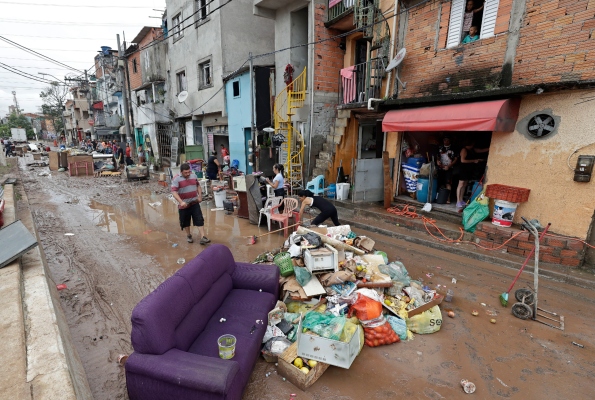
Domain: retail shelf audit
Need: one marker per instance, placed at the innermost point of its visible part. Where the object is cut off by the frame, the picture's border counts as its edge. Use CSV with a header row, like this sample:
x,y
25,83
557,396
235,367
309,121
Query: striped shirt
x,y
187,189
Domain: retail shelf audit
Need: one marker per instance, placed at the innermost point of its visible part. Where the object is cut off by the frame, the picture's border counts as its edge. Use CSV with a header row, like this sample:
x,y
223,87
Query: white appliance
x,y
239,183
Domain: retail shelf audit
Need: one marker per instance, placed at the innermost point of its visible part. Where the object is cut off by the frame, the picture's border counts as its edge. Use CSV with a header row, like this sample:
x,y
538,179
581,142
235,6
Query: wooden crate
x,y
54,160
293,374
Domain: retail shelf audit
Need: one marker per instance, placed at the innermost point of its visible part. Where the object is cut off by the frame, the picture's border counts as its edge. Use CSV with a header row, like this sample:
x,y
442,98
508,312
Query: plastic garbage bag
x,y
365,308
325,325
397,272
378,332
295,250
427,322
475,212
313,239
276,346
399,326
302,275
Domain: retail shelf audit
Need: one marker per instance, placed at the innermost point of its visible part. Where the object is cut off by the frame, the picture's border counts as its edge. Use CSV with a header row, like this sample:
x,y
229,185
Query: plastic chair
x,y
270,192
267,210
289,204
316,185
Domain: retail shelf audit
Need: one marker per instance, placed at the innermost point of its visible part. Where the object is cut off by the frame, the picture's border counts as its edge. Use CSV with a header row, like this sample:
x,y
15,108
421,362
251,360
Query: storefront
x,y
437,135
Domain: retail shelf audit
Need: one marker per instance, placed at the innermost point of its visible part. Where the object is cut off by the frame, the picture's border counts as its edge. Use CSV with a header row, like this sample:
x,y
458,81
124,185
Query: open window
x,y
181,81
201,7
204,74
467,13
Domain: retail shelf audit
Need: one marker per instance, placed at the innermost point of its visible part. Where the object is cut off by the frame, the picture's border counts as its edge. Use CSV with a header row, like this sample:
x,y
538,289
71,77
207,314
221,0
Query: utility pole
x,y
252,118
93,137
124,92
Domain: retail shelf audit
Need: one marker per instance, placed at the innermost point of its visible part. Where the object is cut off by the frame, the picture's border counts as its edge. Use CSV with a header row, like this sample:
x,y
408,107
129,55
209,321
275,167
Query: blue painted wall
x,y
238,118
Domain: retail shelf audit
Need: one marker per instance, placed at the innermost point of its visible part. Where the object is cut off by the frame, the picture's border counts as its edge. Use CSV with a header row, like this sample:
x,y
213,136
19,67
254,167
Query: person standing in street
x,y
187,192
141,155
213,166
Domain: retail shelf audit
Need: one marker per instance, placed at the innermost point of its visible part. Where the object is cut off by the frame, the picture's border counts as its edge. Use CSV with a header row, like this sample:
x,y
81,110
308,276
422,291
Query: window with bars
x,y
471,20
176,22
181,81
204,73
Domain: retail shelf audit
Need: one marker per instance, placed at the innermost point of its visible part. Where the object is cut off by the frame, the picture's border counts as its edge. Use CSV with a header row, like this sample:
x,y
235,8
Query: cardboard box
x,y
293,374
54,160
437,300
323,259
333,352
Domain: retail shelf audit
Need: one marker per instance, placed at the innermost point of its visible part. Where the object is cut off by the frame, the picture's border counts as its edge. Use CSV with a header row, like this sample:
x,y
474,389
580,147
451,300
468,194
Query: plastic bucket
x,y
416,161
503,213
331,190
227,346
443,195
342,191
219,198
422,190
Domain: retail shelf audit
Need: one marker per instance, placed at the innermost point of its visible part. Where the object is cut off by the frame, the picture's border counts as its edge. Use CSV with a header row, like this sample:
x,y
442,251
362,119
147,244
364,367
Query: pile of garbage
x,y
341,294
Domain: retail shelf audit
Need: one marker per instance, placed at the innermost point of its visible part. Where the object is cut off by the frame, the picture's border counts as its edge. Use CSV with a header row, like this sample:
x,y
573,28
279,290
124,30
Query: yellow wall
x,y
541,164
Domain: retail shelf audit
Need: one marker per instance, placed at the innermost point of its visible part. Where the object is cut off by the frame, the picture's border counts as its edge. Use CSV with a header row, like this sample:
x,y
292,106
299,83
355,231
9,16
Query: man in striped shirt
x,y
187,192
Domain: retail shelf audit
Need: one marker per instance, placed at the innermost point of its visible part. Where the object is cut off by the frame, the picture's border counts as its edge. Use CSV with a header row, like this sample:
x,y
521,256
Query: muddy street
x,y
112,242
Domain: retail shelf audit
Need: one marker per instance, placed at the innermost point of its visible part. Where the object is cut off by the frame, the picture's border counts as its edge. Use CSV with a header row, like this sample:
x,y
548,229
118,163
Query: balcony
x,y
361,82
340,15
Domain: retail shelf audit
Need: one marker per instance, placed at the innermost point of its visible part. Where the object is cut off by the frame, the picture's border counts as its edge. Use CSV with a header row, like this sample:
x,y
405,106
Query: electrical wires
x,y
33,52
27,75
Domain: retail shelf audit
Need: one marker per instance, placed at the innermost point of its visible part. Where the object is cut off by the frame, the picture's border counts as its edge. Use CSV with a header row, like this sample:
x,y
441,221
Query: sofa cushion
x,y
199,315
241,309
154,319
206,268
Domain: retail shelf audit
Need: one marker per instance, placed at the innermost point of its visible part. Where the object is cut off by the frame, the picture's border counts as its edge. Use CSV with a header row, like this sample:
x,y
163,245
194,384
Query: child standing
x,y
468,16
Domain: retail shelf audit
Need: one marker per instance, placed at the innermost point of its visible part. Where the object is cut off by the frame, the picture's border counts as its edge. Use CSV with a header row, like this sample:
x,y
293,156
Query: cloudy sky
x,y
68,31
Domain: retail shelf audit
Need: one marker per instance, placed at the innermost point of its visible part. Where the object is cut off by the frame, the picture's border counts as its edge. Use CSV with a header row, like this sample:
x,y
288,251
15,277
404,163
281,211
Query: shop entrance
x,y
419,148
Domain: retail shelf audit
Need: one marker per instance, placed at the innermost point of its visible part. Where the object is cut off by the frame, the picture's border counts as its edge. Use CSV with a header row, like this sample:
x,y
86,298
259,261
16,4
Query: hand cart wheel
x,y
524,296
522,311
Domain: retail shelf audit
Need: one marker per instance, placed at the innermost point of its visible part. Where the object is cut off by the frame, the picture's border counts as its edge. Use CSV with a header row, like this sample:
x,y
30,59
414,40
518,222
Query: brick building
x,y
534,60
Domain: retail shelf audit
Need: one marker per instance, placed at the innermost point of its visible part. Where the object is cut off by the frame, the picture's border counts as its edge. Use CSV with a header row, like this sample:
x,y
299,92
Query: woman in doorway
x,y
327,209
469,158
213,166
278,182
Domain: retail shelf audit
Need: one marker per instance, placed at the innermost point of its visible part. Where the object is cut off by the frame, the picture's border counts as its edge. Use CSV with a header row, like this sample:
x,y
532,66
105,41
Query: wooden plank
x,y
333,242
387,186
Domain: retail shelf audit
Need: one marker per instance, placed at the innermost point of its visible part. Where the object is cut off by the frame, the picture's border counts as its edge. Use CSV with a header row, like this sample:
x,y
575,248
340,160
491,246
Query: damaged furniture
x,y
176,327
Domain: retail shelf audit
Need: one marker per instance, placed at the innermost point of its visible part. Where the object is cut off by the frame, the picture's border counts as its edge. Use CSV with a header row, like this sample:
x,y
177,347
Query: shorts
x,y
193,213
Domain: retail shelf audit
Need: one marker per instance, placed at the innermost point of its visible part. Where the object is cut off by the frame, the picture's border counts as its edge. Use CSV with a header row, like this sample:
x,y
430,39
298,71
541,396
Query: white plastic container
x,y
220,196
239,183
322,259
342,191
503,213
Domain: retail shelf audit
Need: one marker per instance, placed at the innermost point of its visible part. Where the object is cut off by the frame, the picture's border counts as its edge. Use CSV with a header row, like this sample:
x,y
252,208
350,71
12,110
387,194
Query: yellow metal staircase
x,y
288,100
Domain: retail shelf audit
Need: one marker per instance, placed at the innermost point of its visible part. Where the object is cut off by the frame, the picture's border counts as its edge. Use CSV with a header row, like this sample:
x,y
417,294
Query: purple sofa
x,y
175,329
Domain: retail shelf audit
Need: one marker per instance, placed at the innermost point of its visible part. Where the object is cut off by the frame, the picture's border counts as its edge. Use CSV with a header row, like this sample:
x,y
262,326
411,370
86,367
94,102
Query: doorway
x,y
369,173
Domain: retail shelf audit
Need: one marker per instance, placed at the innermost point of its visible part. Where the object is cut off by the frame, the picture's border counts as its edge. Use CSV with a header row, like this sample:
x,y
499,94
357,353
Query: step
x,y
325,164
329,148
443,215
341,122
346,114
318,171
323,155
339,131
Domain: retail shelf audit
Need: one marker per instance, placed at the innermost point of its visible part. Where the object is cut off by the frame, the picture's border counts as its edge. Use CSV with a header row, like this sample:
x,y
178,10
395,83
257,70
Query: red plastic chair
x,y
289,205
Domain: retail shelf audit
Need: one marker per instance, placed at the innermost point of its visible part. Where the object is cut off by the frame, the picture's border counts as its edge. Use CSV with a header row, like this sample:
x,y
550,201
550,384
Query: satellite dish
x,y
397,60
269,130
182,96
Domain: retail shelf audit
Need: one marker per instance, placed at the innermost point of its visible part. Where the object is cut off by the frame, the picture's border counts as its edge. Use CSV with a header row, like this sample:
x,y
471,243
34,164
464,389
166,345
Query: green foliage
x,y
54,97
17,121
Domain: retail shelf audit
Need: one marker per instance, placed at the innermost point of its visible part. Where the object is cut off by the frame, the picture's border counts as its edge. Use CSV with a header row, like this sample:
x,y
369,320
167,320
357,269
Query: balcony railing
x,y
361,82
339,8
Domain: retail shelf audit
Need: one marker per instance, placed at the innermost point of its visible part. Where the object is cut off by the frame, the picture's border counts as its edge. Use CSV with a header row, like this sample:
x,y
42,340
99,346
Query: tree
x,y
17,121
54,97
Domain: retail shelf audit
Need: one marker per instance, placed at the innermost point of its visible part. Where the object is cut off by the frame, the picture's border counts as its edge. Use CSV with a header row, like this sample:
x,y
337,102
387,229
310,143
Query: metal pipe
x,y
311,66
392,46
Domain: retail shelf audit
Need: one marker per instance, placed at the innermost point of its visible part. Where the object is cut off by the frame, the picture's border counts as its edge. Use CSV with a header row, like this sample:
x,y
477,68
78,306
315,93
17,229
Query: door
x,y
369,174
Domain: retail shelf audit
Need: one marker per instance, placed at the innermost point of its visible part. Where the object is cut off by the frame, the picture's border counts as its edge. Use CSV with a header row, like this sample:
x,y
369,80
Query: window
x,y
465,14
134,67
204,75
236,88
181,79
176,21
202,10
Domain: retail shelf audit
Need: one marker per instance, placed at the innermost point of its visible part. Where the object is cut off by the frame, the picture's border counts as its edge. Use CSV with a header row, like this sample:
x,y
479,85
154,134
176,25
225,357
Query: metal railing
x,y
338,9
361,82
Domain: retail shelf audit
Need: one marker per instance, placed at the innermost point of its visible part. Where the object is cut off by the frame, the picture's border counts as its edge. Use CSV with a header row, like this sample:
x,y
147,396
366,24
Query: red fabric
x,y
491,116
128,151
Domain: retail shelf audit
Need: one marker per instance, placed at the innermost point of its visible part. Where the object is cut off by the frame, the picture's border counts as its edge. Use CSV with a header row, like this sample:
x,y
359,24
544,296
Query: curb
x,y
554,275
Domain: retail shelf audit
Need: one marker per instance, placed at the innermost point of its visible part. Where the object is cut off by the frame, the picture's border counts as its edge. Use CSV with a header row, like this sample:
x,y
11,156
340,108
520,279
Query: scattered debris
x,y
493,321
503,384
156,204
222,320
174,245
61,286
454,280
451,314
468,387
181,261
578,345
43,173
69,234
475,313
122,358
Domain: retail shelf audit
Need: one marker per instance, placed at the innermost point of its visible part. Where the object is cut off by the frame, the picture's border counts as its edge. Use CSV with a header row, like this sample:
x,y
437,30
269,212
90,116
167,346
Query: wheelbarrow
x,y
527,305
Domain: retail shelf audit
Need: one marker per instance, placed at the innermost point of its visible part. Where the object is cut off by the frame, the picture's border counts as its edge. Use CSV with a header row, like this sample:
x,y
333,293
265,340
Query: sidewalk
x,y
374,218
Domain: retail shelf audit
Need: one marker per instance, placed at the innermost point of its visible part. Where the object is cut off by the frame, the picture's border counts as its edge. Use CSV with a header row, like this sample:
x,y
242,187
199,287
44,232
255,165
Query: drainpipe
x,y
311,66
392,46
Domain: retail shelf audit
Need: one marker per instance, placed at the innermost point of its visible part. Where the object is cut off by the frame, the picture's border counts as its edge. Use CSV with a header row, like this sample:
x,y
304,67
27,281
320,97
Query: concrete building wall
x,y
154,62
135,73
515,159
244,32
238,110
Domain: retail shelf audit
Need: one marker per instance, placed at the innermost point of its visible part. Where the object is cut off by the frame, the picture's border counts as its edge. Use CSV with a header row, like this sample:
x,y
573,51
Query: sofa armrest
x,y
257,277
179,368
